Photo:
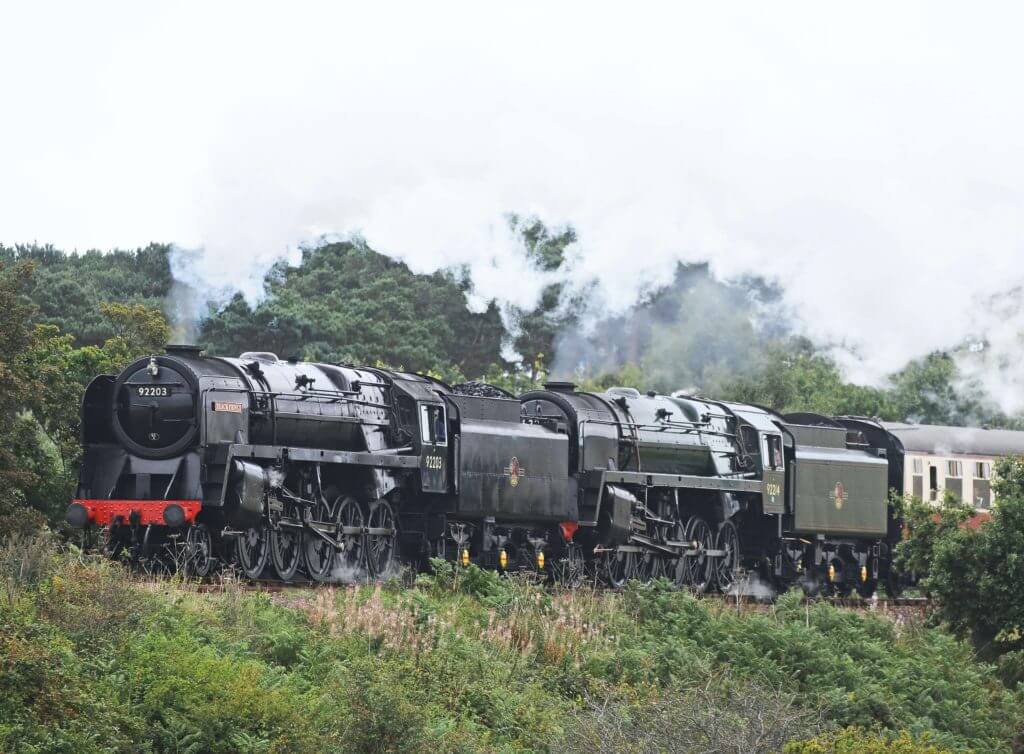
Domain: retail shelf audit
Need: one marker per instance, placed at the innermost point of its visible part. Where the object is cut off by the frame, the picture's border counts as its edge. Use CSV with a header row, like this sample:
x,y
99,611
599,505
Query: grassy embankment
x,y
94,660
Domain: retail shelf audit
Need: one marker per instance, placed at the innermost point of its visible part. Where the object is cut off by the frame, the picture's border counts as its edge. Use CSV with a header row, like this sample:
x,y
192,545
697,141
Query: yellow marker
x,y
540,560
863,573
831,572
503,559
465,557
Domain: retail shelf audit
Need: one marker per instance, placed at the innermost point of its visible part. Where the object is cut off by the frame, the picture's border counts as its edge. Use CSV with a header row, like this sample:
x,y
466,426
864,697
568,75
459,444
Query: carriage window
x,y
918,466
433,428
954,468
982,470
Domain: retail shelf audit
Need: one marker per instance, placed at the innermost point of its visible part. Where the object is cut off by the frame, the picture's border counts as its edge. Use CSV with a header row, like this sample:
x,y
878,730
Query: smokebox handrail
x,y
324,396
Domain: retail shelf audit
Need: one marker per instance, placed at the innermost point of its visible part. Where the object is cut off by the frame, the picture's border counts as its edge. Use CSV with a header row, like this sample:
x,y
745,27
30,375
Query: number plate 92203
x,y
153,391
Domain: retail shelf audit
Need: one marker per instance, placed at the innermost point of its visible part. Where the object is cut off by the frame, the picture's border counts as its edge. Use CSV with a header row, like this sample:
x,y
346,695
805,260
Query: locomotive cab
x,y
433,430
423,416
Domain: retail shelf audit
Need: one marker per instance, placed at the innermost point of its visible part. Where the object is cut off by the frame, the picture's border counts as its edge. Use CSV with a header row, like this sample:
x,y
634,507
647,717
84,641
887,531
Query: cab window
x,y
748,439
433,427
773,452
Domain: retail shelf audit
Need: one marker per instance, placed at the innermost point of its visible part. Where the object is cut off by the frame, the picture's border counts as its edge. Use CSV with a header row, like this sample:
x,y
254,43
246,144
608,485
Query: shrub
x,y
1011,668
54,700
16,518
92,602
854,741
488,586
863,671
91,659
927,525
722,716
25,561
186,691
978,575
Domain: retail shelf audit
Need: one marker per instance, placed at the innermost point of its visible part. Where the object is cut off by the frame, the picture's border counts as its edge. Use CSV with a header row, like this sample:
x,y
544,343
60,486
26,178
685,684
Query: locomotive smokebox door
x,y
433,421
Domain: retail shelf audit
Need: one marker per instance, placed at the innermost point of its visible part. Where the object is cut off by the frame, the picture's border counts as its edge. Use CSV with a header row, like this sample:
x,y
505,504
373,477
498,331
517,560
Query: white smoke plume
x,y
752,586
193,294
991,358
868,159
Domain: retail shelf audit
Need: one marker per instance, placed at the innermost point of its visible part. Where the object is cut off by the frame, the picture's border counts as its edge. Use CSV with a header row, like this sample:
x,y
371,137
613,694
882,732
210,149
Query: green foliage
x,y
468,661
347,303
43,376
487,586
856,741
15,337
43,492
1008,480
53,700
791,375
1011,668
730,340
516,380
794,377
975,570
545,249
187,691
976,574
722,715
926,525
70,289
136,329
62,371
90,605
696,334
858,667
930,391
536,330
25,561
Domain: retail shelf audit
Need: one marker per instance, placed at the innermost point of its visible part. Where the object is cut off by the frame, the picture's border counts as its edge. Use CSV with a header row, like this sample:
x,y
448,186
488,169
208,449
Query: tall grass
x,y
25,561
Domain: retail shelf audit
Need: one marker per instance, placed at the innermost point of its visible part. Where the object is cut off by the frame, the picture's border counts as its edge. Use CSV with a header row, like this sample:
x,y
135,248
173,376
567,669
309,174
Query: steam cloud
x,y
866,159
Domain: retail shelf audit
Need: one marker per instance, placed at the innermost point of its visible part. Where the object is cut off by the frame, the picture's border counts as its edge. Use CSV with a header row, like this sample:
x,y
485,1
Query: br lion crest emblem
x,y
514,472
840,495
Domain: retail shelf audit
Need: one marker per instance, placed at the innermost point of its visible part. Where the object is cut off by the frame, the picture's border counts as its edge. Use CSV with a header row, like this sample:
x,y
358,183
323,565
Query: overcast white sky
x,y
867,155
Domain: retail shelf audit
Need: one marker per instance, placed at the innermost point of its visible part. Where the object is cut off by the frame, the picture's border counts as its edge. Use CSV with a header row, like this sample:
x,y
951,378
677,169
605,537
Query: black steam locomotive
x,y
295,470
